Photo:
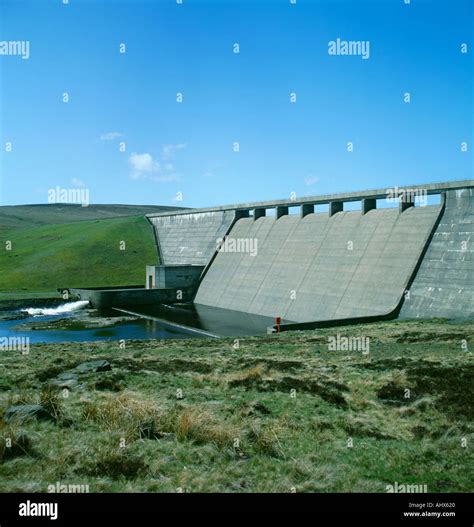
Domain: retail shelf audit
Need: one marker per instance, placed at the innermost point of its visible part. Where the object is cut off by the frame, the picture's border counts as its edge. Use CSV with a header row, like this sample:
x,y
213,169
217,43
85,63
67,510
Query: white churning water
x,y
63,308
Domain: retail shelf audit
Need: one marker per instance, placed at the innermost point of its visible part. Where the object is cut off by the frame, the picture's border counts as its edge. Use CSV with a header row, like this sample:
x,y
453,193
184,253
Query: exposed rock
x,y
70,379
24,412
93,366
12,315
80,321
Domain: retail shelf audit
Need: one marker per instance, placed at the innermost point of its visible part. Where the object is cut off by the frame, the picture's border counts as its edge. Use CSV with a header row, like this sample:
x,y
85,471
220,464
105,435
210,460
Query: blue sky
x,y
188,147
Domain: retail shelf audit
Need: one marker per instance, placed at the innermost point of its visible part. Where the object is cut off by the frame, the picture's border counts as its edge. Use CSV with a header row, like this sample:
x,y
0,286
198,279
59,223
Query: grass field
x,y
27,216
81,254
273,413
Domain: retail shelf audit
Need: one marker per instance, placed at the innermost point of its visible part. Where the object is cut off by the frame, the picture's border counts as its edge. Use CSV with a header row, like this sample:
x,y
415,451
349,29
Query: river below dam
x,y
59,321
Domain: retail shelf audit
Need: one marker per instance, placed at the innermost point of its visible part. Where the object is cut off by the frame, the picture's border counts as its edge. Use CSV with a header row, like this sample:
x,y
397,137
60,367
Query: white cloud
x,y
77,182
143,165
168,151
110,136
311,180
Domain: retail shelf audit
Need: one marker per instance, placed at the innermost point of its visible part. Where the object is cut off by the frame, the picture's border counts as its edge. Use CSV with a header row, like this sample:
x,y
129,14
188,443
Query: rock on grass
x,y
25,412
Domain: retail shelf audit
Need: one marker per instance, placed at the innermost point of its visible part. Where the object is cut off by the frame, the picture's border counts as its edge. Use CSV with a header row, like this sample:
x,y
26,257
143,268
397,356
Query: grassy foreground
x,y
272,413
81,254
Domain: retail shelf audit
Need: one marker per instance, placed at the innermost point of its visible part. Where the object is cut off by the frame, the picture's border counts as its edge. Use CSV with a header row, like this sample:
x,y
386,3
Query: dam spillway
x,y
320,267
335,265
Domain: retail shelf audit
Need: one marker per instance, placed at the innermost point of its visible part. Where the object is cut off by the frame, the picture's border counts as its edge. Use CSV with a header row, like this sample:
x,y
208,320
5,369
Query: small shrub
x,y
52,401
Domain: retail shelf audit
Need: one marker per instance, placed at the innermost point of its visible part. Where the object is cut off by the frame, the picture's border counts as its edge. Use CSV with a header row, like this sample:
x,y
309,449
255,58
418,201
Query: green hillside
x,y
82,254
26,216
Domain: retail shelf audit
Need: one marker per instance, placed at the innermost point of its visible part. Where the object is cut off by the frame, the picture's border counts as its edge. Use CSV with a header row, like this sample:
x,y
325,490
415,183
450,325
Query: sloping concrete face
x,y
190,238
320,267
444,283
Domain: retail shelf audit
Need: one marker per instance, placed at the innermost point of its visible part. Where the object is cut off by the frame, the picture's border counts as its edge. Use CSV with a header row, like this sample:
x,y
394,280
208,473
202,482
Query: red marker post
x,y
278,322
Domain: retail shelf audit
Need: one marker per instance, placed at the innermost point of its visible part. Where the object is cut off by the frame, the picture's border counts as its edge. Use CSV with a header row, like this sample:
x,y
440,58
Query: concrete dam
x,y
308,266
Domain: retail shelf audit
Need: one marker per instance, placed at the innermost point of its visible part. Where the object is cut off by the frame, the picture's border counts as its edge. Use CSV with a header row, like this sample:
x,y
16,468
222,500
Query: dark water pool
x,y
222,322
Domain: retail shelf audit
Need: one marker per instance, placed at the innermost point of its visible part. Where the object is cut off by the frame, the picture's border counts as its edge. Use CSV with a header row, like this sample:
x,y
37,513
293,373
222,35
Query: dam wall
x,y
190,238
320,266
416,261
444,284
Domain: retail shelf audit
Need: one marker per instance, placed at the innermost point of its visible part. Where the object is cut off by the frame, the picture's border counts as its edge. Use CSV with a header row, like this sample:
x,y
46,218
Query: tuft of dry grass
x,y
265,438
125,413
199,425
139,418
248,377
52,401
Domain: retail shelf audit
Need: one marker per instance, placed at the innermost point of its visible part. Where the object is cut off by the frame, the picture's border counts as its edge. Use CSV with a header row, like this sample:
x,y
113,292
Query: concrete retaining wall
x,y
304,269
173,276
132,296
190,238
444,284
